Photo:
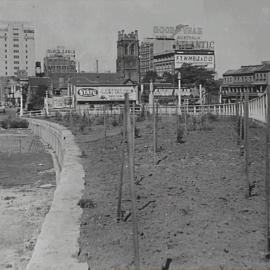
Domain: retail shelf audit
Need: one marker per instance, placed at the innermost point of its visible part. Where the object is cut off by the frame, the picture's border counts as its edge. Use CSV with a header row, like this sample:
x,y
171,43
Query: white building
x,y
17,48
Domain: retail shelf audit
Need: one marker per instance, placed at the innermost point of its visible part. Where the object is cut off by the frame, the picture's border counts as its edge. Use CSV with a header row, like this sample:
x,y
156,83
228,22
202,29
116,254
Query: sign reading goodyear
x,y
105,93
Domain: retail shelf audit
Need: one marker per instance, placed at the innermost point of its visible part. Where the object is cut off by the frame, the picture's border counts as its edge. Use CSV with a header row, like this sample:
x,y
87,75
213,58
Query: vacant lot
x,y
27,183
191,200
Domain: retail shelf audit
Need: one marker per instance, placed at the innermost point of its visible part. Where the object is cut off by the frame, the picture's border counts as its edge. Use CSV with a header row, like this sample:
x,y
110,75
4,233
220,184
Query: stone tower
x,y
127,62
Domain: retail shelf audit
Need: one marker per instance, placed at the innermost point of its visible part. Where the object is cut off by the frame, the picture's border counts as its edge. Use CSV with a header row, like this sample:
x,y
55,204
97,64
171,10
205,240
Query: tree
x,y
167,77
36,101
150,75
196,75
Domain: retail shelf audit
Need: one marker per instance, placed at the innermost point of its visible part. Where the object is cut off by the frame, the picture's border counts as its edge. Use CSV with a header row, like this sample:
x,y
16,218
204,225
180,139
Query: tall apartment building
x,y
17,48
59,60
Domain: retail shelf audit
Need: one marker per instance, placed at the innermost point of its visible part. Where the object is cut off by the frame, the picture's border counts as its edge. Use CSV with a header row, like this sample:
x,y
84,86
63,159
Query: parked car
x,y
2,108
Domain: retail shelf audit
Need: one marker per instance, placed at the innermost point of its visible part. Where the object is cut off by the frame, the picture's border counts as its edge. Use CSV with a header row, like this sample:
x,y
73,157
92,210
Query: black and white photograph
x,y
134,134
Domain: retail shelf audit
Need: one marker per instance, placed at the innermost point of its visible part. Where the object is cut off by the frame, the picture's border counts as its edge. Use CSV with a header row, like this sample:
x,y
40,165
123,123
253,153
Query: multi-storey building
x,y
173,46
169,61
251,79
17,48
127,62
59,60
149,47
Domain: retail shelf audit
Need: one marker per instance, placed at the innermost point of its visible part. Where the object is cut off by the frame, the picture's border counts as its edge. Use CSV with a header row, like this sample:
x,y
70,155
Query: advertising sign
x,y
186,37
105,93
207,61
165,92
170,92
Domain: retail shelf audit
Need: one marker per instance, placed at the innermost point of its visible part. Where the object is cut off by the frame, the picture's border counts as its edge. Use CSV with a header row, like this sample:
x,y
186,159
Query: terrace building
x,y
251,79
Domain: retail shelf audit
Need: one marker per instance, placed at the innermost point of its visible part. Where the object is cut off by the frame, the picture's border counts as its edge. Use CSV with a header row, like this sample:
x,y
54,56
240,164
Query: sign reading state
x,y
105,93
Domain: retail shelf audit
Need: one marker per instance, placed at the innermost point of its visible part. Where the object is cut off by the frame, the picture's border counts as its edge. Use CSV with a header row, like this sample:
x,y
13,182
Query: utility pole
x,y
179,92
21,103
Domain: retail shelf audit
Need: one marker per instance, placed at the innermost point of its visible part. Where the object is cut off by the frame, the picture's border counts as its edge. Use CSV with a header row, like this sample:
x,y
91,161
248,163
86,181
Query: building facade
x,y
250,79
148,48
127,62
170,61
171,47
59,60
17,48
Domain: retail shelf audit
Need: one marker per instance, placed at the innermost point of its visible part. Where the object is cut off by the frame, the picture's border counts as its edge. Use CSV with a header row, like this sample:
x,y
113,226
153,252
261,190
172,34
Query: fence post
x,y
131,186
267,134
246,112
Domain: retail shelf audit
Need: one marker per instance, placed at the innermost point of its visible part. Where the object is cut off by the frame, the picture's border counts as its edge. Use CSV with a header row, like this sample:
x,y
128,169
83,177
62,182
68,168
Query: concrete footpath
x,y
57,245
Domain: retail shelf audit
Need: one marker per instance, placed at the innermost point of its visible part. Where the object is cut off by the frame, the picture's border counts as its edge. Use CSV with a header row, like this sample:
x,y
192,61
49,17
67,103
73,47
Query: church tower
x,y
127,62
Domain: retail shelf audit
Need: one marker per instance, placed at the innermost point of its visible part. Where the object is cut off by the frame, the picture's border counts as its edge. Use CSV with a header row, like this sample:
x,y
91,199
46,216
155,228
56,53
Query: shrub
x,y
180,134
137,132
115,123
212,117
15,123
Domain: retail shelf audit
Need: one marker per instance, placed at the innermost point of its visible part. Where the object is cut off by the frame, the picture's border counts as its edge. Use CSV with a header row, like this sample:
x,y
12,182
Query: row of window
x,y
257,76
16,56
16,67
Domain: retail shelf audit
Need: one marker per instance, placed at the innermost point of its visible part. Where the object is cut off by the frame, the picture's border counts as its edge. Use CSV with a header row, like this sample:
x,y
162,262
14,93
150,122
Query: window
x,y
6,73
5,56
6,67
26,51
26,62
26,56
15,45
15,51
26,68
16,62
15,39
15,34
5,51
16,56
5,62
16,67
5,45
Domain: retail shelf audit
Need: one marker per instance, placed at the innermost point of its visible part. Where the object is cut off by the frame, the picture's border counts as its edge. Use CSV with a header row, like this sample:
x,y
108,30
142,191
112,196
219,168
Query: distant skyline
x,y
240,28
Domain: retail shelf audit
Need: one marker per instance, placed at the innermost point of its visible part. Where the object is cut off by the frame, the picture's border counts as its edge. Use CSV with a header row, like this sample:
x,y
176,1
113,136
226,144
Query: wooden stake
x,y
237,120
120,188
246,113
131,186
154,128
104,123
267,142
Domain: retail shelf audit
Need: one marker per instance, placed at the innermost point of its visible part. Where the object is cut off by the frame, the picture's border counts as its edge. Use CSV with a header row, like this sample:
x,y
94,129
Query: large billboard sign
x,y
208,61
186,37
105,93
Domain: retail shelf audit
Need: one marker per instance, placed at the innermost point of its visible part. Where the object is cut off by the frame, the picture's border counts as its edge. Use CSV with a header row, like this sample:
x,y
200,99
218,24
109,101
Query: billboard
x,y
105,93
208,61
185,36
171,92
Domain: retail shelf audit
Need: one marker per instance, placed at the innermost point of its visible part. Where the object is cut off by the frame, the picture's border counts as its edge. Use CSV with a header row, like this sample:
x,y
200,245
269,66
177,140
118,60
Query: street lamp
x,y
179,91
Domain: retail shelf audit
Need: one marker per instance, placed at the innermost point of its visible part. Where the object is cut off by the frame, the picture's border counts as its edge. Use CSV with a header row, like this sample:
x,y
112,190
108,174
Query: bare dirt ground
x,y
27,184
191,203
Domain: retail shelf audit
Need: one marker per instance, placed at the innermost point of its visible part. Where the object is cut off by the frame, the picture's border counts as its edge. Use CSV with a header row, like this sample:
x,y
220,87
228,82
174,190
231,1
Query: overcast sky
x,y
240,28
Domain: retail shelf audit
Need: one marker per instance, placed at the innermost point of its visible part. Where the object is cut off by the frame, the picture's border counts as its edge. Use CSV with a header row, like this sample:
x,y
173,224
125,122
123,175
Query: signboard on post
x,y
106,93
171,92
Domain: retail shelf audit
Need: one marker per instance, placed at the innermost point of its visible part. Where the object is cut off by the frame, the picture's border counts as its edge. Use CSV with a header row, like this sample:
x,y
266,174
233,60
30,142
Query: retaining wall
x,y
57,244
